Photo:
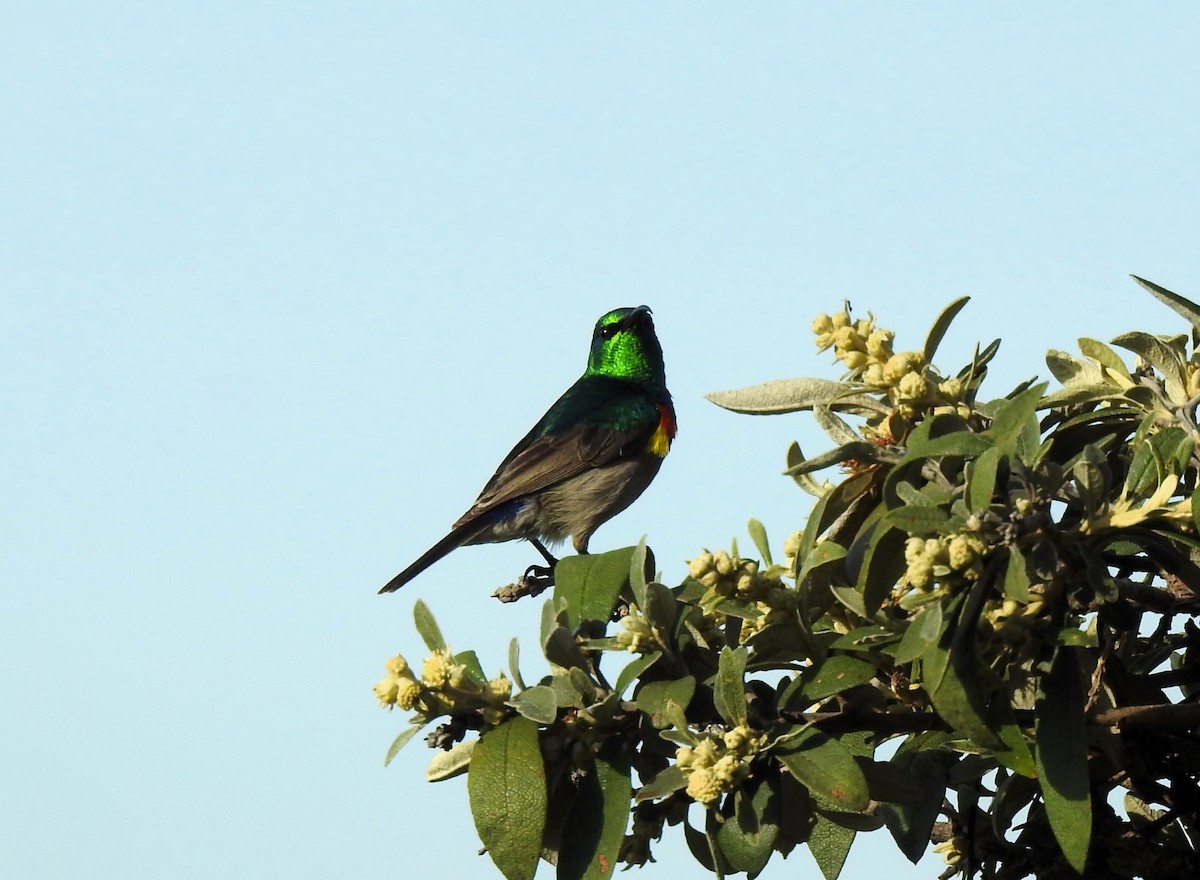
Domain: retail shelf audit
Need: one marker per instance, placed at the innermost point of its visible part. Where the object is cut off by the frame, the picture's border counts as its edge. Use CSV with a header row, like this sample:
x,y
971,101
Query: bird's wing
x,y
547,459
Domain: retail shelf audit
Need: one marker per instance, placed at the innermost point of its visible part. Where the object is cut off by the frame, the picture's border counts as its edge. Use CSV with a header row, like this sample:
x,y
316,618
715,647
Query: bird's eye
x,y
608,331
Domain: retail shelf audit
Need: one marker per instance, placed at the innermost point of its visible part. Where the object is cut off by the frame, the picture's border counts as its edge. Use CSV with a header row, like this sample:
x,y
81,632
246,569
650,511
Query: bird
x,y
588,458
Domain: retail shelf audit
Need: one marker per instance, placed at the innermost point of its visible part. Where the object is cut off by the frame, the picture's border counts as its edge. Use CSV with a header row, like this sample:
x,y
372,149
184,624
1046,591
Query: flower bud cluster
x,y
1013,622
731,577
859,344
952,851
445,687
637,634
946,559
719,762
399,687
1013,636
791,549
910,384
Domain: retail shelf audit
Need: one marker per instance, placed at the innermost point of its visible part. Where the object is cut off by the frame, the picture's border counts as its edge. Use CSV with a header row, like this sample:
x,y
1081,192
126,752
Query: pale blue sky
x,y
282,283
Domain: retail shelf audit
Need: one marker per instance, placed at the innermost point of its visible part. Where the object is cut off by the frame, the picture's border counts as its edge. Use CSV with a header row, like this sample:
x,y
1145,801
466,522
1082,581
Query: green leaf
x,y
655,697
537,703
703,846
836,429
427,627
794,395
860,450
922,633
1173,448
1016,577
448,764
1079,394
1182,306
758,534
850,597
854,821
835,674
940,326
883,565
1143,471
1013,417
829,844
634,669
806,481
1012,796
553,616
888,781
865,638
1104,356
1162,356
471,666
565,692
918,520
924,758
729,687
910,494
591,584
830,505
1062,757
514,662
507,790
583,685
666,782
1072,371
965,444
981,480
823,554
661,607
958,693
641,569
828,769
562,649
953,680
960,699
747,838
1094,478
401,741
795,812
598,816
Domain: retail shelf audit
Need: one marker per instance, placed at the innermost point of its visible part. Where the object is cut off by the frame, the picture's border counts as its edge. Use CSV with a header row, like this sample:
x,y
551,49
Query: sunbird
x,y
588,458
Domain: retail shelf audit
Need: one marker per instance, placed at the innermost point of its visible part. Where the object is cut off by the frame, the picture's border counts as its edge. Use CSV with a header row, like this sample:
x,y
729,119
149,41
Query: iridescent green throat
x,y
624,347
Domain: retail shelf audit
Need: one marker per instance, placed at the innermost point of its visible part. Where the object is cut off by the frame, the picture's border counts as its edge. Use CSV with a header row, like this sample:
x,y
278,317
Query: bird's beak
x,y
637,316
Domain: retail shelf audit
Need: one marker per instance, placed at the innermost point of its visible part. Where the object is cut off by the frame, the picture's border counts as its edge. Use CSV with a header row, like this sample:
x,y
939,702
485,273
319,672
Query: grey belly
x,y
578,506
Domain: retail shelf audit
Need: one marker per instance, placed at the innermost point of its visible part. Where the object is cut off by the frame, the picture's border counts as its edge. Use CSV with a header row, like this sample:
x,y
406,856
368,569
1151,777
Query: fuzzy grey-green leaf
x,y
794,395
729,688
537,703
942,323
449,764
427,627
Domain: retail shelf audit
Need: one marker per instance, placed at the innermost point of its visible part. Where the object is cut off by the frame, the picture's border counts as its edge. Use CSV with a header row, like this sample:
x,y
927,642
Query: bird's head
x,y
624,347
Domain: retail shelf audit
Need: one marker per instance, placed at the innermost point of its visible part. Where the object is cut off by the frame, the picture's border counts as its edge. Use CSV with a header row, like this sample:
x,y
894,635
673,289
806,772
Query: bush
x,y
983,638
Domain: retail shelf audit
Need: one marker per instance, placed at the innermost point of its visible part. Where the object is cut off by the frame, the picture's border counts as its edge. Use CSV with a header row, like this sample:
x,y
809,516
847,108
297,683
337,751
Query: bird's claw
x,y
536,579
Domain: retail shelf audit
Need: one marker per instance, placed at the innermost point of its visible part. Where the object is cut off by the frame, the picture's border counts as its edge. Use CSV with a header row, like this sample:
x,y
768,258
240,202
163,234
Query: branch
x,y
1157,599
1161,715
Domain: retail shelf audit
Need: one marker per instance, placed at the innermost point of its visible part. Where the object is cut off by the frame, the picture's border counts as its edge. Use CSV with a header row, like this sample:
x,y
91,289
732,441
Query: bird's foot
x,y
536,579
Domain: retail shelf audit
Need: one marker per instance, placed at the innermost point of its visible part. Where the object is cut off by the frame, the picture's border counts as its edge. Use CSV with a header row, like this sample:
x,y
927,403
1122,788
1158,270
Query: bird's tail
x,y
457,537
